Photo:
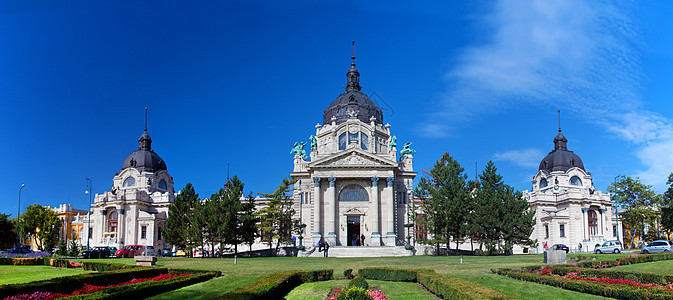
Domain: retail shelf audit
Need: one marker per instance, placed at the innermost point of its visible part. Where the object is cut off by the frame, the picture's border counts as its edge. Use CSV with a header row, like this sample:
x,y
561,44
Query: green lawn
x,y
664,267
474,268
23,274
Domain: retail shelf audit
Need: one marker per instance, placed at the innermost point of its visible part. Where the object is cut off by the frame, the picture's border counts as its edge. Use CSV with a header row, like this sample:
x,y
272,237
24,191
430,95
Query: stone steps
x,y
363,251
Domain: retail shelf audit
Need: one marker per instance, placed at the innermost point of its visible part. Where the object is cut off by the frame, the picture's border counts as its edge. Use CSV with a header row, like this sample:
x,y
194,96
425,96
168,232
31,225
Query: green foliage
x,y
355,293
62,248
388,274
358,282
41,223
180,218
638,202
348,273
7,231
248,228
667,206
627,260
276,219
445,197
277,285
72,249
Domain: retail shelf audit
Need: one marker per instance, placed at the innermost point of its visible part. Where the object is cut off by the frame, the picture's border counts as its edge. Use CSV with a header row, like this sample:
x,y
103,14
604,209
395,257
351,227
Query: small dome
x,y
561,159
144,159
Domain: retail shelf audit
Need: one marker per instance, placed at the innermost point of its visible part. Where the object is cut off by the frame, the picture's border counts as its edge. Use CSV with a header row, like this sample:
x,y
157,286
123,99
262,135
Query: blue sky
x,y
240,82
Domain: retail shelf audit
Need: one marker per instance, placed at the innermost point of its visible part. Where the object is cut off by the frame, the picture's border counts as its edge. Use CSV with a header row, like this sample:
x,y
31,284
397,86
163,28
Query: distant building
x,y
568,209
135,210
72,226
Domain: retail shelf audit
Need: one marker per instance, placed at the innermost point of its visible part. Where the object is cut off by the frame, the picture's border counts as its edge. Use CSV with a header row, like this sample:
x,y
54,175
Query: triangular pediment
x,y
353,158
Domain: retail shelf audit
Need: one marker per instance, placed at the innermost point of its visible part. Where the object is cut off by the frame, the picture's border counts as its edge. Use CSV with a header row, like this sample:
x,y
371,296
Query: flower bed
x,y
26,255
346,293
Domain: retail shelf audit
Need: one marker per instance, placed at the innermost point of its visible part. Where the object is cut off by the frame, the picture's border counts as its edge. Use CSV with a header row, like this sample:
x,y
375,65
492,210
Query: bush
x,y
348,273
72,249
102,267
358,282
57,262
276,285
626,260
388,274
355,293
62,248
645,277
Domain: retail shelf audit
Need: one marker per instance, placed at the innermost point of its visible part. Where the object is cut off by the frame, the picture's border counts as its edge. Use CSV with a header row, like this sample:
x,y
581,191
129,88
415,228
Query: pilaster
x,y
376,202
585,223
330,199
390,210
317,210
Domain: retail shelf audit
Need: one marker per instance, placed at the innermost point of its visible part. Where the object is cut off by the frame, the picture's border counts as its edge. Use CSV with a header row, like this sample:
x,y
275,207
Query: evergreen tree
x,y
276,219
7,231
518,220
72,250
62,248
181,211
249,221
228,211
638,202
667,206
41,224
445,197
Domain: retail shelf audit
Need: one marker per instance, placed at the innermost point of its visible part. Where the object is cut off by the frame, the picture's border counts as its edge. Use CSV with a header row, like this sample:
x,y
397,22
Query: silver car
x,y
609,247
657,247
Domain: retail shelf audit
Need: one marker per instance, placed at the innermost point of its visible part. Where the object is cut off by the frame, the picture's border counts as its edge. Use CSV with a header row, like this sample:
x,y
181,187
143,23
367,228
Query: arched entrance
x,y
354,194
353,230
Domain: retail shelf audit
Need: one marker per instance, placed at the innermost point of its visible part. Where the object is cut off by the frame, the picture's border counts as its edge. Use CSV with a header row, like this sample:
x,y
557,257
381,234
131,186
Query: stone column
x,y
121,227
376,202
317,210
330,203
101,225
390,210
602,224
585,221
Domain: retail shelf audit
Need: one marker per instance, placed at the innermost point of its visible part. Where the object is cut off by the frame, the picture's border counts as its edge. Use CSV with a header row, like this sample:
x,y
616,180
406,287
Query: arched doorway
x,y
354,217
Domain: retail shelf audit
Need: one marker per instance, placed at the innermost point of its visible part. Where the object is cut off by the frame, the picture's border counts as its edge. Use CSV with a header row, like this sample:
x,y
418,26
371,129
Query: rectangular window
x,y
91,232
143,232
614,230
562,230
342,141
546,231
364,141
159,234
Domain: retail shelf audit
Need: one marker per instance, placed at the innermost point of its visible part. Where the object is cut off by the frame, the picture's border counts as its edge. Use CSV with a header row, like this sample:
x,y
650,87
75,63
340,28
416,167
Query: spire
x,y
353,76
560,141
559,121
145,142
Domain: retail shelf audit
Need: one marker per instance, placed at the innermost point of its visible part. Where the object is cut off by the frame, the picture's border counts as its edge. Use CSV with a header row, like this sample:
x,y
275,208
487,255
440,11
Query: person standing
x,y
321,244
545,246
326,249
362,240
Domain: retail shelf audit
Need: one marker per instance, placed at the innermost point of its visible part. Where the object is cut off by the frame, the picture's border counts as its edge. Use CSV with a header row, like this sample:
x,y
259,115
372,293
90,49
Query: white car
x,y
609,247
149,251
656,247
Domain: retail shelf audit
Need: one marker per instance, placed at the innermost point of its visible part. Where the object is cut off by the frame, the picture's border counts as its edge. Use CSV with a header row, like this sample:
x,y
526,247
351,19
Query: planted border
x,y
277,285
445,287
626,260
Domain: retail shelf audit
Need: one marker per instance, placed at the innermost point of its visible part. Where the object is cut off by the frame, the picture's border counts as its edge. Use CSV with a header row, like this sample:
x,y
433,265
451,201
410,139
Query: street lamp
x,y
88,228
409,224
18,239
617,209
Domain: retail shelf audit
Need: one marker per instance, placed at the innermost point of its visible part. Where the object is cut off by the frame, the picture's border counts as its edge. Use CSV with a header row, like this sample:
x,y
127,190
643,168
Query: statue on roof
x,y
393,142
406,150
314,143
298,149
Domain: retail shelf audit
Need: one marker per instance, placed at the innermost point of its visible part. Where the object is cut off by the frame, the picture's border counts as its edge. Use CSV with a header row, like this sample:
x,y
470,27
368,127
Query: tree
x,y
41,224
445,197
276,220
7,231
667,206
223,218
62,248
249,221
181,211
638,203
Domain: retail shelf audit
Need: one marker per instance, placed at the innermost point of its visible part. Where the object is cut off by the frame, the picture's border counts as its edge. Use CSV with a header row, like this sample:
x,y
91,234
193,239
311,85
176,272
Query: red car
x,y
130,251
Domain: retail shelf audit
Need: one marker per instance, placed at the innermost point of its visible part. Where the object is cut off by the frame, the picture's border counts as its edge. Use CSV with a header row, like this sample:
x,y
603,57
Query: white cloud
x,y
528,158
580,56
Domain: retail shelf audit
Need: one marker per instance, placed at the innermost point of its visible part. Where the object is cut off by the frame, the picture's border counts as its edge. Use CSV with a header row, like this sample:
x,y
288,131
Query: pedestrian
x,y
545,246
326,248
362,240
294,240
354,240
580,247
321,244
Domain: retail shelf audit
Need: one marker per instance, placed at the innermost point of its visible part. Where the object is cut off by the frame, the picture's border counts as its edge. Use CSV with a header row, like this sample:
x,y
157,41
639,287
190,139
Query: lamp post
x,y
409,224
18,238
88,228
301,236
617,209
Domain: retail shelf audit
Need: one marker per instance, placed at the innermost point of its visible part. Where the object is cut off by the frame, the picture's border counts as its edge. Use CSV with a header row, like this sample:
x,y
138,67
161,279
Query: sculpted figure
x,y
298,149
406,150
314,143
393,142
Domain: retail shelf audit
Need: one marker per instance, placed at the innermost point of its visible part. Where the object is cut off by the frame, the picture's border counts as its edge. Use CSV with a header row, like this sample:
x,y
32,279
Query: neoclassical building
x,y
134,211
568,209
353,184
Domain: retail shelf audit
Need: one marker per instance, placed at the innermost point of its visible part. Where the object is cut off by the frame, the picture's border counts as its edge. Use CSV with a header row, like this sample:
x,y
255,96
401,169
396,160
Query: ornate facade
x,y
353,185
568,209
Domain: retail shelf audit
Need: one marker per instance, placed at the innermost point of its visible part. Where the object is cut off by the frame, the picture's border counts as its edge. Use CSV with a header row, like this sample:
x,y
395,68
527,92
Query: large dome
x,y
561,159
144,159
352,103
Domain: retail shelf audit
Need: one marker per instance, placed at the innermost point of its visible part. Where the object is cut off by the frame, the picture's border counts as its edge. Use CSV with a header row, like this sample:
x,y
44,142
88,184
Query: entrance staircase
x,y
358,251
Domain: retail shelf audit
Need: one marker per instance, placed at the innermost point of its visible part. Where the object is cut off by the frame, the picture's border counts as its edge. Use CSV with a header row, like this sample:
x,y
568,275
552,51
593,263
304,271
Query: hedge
x,y
68,284
147,288
594,288
443,286
277,285
102,267
626,260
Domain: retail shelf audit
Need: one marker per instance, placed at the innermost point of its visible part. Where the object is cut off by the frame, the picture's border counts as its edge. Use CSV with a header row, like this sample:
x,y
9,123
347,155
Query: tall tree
x,y
41,223
667,206
7,231
181,211
445,196
249,221
637,201
276,219
229,216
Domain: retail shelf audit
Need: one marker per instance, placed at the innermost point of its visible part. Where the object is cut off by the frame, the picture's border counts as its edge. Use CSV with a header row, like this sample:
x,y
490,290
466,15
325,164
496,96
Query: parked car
x,y
657,247
131,251
609,247
179,252
149,250
560,247
113,250
97,252
18,250
166,252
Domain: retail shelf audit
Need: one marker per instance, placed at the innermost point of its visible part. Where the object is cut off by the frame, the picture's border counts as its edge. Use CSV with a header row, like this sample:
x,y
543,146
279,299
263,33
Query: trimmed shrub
x,y
645,277
57,262
32,261
276,285
388,274
358,282
348,273
355,293
626,260
5,260
102,267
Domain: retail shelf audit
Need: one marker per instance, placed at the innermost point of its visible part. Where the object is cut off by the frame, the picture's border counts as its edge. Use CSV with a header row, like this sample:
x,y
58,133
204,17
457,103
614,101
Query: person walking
x,y
545,246
321,244
326,249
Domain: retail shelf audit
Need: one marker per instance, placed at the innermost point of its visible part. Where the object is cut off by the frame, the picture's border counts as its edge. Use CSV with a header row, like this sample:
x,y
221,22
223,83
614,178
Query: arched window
x,y
543,183
593,222
364,141
575,181
342,141
130,181
162,184
112,222
353,192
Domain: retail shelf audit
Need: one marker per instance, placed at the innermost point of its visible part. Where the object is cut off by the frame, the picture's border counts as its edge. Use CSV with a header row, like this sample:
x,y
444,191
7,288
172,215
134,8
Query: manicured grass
x,y
393,290
664,267
23,274
474,268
